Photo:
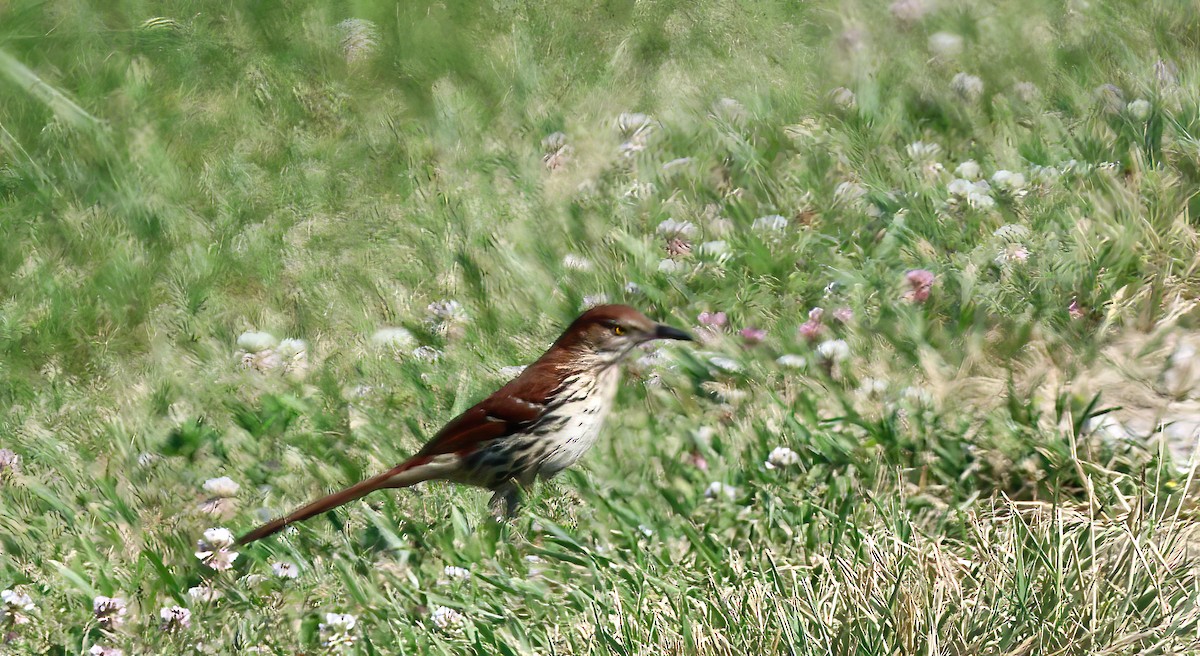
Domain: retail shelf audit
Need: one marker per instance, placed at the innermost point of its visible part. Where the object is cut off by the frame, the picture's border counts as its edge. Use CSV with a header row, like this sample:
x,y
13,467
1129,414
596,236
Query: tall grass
x,y
970,474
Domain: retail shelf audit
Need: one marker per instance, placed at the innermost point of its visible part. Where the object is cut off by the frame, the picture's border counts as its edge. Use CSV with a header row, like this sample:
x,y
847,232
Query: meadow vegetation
x,y
942,257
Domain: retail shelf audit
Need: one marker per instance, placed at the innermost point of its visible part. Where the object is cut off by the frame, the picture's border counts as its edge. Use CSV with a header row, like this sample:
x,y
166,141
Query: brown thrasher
x,y
537,425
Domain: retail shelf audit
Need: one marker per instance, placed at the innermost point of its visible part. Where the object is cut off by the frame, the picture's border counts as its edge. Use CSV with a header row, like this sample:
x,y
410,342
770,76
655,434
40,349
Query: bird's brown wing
x,y
510,409
496,417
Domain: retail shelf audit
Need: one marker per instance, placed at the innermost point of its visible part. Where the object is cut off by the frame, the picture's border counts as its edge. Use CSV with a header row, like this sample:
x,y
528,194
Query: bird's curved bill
x,y
662,331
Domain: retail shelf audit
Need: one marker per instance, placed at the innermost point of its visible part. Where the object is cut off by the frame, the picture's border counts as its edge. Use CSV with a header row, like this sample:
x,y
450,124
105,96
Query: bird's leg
x,y
506,500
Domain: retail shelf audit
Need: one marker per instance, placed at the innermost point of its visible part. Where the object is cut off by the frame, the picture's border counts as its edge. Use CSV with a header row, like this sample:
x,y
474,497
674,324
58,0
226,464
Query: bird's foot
x,y
505,502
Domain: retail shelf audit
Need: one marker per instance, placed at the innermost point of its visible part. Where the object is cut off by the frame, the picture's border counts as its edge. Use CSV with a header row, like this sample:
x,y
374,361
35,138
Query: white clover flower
x,y
1008,180
558,151
109,611
960,187
781,457
873,387
908,11
337,632
262,361
576,262
175,618
448,619
256,341
945,44
632,288
427,354
919,151
673,228
716,249
1012,254
359,38
102,650
977,194
834,350
292,348
592,300
931,170
397,338
770,223
843,98
285,570
293,355
916,395
630,123
1045,175
719,490
446,310
222,487
967,86
10,462
667,265
969,170
635,128
339,622
554,141
214,550
218,538
725,364
204,594
678,247
1139,109
16,599
512,371
791,361
221,559
452,573
980,200
13,606
630,149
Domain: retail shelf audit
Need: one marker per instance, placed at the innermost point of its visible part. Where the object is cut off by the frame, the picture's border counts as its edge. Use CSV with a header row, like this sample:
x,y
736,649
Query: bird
x,y
538,424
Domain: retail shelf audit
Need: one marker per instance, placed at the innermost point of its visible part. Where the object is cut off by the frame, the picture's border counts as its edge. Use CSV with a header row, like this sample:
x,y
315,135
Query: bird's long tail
x,y
408,473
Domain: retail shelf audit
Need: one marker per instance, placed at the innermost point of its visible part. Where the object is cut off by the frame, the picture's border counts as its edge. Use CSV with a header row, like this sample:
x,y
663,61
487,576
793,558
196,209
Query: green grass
x,y
175,174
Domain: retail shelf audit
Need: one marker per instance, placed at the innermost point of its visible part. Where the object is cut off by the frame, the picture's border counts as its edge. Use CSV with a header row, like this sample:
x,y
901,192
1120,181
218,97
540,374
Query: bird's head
x,y
612,331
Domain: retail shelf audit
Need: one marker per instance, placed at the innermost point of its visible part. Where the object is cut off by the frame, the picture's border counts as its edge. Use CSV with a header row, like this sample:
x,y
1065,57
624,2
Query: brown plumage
x,y
538,424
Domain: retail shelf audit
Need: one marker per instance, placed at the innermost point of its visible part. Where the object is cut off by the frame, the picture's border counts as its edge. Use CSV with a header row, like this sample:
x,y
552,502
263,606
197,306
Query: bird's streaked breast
x,y
572,426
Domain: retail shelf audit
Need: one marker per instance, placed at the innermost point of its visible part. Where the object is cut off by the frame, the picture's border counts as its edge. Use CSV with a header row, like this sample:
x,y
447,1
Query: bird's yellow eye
x,y
617,330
